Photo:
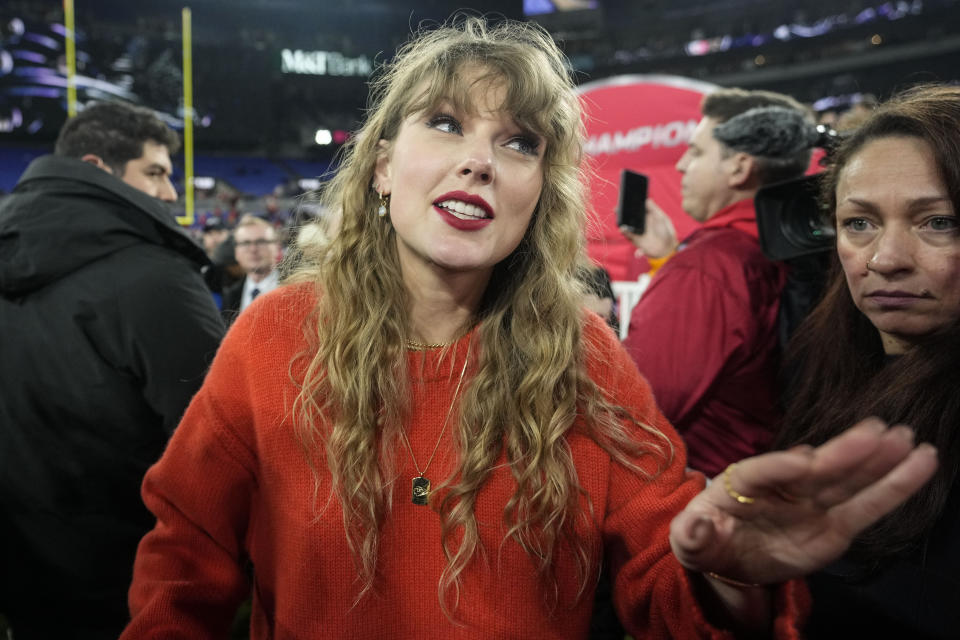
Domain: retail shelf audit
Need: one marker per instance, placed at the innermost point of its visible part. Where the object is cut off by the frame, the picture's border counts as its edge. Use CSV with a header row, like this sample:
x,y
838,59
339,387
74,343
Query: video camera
x,y
796,229
790,219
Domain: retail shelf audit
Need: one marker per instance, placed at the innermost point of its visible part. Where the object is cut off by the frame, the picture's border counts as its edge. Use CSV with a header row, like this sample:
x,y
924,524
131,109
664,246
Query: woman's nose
x,y
892,252
478,163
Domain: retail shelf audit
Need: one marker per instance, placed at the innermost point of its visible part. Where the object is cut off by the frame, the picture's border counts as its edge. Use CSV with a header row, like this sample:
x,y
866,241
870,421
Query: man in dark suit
x,y
257,252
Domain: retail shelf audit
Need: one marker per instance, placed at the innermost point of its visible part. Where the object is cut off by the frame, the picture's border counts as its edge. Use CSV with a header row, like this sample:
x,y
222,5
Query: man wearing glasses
x,y
257,253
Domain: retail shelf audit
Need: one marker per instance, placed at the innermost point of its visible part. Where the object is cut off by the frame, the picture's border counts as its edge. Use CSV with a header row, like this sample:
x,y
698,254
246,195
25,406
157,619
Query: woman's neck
x,y
442,304
894,345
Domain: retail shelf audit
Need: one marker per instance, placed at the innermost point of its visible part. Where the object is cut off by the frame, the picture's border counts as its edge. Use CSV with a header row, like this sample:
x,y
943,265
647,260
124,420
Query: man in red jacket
x,y
705,331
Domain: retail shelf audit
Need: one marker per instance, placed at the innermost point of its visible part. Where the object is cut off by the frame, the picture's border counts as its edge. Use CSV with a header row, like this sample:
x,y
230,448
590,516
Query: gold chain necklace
x,y
421,484
420,346
423,346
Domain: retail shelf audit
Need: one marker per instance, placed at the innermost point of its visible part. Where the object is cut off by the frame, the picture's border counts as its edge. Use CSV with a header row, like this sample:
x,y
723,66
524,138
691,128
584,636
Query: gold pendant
x,y
421,490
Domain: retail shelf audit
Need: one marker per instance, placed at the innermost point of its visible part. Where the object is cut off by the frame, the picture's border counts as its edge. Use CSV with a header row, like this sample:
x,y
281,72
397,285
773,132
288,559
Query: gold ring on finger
x,y
733,493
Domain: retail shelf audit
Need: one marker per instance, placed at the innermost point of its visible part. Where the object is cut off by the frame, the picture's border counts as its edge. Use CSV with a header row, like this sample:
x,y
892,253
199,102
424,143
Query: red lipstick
x,y
464,224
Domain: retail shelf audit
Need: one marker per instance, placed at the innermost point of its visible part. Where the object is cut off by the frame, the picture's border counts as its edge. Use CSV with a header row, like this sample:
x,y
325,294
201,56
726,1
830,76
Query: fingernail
x,y
877,426
926,446
906,433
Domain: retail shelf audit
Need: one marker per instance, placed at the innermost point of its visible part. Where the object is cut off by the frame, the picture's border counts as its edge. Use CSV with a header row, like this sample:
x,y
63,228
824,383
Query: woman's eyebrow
x,y
914,203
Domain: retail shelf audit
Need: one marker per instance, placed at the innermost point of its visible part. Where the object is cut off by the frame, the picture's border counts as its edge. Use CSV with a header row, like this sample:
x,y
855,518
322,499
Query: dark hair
x,y
723,104
840,373
744,108
928,112
115,131
779,139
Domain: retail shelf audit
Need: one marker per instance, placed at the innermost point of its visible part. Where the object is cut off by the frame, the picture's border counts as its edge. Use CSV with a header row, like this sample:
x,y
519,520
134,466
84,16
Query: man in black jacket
x,y
106,331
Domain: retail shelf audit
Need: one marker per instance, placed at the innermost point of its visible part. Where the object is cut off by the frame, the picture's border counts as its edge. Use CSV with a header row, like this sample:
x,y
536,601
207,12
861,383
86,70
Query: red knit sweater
x,y
234,484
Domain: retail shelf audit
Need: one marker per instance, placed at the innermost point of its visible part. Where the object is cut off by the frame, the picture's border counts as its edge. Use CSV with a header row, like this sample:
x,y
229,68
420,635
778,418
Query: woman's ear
x,y
382,170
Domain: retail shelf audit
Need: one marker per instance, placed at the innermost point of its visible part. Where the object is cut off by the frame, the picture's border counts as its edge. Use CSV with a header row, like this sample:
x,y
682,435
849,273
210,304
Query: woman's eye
x,y
524,144
444,122
943,223
856,224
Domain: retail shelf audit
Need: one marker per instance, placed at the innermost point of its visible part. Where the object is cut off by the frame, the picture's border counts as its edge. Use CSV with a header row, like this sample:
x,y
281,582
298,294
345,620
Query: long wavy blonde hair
x,y
530,383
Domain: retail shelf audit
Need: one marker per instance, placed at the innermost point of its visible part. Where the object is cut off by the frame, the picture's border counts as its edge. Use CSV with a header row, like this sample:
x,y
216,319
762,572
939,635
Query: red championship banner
x,y
643,123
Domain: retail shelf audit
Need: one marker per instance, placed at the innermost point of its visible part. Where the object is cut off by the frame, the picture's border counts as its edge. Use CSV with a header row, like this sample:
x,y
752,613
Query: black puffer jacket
x,y
106,332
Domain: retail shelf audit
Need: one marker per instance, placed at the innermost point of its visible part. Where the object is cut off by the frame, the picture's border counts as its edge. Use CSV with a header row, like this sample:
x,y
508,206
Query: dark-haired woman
x,y
885,341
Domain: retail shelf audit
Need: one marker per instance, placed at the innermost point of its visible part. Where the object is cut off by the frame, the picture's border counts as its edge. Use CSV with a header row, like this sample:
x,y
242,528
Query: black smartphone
x,y
632,203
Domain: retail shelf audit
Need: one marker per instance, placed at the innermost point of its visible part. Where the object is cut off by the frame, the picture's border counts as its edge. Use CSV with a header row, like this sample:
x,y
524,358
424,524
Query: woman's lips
x,y
895,299
464,211
463,224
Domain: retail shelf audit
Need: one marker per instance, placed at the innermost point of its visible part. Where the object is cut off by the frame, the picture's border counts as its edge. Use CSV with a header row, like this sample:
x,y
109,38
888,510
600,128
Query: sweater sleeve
x,y
188,574
653,593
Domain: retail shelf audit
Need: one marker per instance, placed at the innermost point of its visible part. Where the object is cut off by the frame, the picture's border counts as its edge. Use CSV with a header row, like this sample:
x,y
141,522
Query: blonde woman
x,y
425,436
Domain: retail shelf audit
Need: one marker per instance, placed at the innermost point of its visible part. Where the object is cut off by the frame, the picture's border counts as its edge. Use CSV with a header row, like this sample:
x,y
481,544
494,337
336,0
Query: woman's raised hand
x,y
785,514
